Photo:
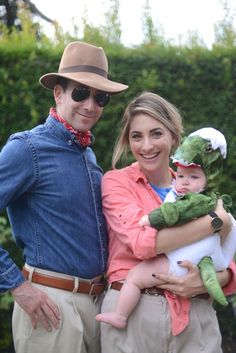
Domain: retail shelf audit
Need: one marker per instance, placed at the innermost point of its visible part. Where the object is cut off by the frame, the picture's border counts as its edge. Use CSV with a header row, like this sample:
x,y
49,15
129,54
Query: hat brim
x,y
89,79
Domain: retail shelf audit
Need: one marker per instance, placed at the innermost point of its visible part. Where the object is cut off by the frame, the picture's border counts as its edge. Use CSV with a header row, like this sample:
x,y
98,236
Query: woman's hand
x,y
186,286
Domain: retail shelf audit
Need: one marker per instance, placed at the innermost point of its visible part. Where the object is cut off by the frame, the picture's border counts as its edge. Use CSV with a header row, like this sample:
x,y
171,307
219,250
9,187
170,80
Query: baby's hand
x,y
144,221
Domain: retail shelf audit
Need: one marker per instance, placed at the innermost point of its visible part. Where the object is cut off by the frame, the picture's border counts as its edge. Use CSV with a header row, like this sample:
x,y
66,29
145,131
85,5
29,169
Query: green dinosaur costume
x,y
205,148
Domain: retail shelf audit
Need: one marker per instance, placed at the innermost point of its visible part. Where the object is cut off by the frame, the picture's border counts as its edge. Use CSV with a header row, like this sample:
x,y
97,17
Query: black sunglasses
x,y
81,93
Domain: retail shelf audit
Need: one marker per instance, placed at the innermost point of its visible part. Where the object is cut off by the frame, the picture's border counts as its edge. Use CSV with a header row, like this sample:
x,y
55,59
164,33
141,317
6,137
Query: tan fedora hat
x,y
86,64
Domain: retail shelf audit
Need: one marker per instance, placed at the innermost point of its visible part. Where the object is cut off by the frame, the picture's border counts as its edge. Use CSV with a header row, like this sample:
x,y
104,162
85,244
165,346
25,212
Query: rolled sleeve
x,y
230,288
11,279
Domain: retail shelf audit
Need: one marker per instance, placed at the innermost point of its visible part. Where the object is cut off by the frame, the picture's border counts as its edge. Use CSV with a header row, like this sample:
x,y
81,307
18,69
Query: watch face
x,y
217,223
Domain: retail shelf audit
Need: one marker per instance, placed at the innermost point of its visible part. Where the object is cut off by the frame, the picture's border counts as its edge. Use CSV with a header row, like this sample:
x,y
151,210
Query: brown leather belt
x,y
155,291
149,291
84,286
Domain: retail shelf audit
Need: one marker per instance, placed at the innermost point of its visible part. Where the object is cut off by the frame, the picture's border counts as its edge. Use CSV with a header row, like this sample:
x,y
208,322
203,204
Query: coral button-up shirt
x,y
127,196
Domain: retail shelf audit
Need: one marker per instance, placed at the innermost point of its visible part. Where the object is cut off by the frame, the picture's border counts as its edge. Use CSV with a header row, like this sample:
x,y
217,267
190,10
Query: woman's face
x,y
151,143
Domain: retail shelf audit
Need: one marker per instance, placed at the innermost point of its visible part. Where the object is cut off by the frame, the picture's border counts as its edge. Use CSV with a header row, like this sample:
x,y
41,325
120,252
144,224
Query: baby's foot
x,y
113,319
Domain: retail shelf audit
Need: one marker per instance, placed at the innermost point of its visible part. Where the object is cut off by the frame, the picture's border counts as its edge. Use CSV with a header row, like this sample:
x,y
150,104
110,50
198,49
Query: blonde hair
x,y
154,106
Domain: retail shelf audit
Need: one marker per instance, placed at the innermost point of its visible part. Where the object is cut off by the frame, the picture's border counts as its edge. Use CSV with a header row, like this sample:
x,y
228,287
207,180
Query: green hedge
x,y
200,82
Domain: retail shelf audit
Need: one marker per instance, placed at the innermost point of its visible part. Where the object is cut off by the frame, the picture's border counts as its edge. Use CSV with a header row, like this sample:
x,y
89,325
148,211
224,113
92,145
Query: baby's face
x,y
190,179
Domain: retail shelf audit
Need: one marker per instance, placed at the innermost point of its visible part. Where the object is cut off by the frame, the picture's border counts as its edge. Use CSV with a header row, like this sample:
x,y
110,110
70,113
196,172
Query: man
x,y
50,184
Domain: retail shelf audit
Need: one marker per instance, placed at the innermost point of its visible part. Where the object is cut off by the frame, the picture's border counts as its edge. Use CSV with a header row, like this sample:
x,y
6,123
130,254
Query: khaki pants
x,y
149,331
78,333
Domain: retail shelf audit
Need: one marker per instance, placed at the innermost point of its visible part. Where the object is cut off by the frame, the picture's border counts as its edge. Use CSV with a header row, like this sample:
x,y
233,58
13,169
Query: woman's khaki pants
x,y
149,331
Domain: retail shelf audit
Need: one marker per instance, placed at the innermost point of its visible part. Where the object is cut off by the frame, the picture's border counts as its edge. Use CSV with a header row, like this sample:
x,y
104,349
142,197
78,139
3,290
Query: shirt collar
x,y
136,173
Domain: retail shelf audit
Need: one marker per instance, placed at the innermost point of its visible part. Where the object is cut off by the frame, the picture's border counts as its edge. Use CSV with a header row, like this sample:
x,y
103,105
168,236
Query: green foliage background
x,y
200,82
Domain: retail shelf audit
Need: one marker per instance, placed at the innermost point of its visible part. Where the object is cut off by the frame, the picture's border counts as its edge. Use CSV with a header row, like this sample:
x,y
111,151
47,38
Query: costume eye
x,y
208,148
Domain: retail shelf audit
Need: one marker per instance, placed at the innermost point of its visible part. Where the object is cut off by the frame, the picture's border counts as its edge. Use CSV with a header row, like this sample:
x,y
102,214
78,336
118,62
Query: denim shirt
x,y
50,186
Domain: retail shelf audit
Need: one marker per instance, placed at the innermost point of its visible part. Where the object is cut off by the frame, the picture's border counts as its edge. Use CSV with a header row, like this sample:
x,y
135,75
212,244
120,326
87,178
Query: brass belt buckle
x,y
152,291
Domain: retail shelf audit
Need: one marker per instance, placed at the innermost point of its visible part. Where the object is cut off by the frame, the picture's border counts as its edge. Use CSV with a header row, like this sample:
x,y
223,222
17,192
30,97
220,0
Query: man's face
x,y
81,115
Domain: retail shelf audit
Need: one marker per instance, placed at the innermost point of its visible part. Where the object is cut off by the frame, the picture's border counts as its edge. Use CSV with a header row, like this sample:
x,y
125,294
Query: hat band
x,y
83,68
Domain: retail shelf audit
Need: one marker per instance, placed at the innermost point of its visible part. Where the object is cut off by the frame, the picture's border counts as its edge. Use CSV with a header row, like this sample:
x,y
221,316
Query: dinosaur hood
x,y
205,148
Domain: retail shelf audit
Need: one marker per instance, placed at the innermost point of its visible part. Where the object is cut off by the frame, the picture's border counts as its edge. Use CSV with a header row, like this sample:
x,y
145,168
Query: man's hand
x,y
40,308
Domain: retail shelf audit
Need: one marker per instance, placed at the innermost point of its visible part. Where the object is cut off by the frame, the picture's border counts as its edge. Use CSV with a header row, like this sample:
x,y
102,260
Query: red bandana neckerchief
x,y
84,138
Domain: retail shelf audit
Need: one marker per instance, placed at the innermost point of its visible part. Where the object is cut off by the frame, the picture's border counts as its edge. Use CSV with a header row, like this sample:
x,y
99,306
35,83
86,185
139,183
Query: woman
x,y
151,129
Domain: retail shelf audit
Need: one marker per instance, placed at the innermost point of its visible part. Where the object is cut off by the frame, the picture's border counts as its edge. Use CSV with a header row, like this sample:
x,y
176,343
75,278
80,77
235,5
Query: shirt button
x,y
69,142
